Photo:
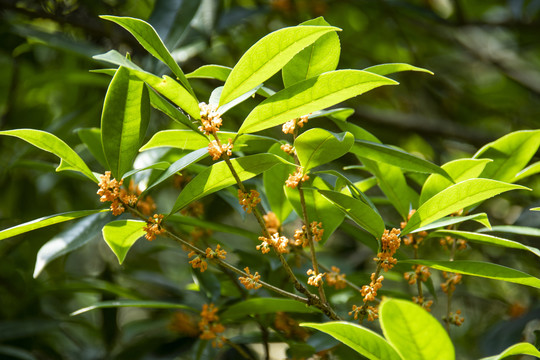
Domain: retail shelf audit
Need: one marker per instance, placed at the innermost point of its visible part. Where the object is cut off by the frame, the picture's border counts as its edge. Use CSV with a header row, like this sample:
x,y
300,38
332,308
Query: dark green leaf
x,y
273,185
91,137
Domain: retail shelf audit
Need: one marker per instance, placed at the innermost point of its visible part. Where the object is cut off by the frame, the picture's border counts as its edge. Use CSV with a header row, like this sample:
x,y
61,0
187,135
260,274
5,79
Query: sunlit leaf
x,y
315,59
170,110
69,160
513,229
456,197
364,341
120,235
268,56
311,95
530,170
150,40
217,72
517,349
91,137
267,305
387,69
273,182
481,269
317,147
133,303
485,239
360,212
125,117
218,176
414,332
46,221
481,218
510,154
162,165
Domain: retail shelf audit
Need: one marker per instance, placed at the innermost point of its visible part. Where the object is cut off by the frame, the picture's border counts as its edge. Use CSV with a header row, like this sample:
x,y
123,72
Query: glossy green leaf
x,y
535,209
170,110
91,137
318,147
459,170
69,160
125,117
120,235
226,107
72,238
414,332
190,140
485,239
530,170
217,72
218,176
318,207
162,165
266,305
365,341
456,197
179,165
133,303
273,182
513,229
315,59
389,155
517,349
340,114
510,154
481,269
267,57
311,95
481,218
150,40
45,221
360,212
387,69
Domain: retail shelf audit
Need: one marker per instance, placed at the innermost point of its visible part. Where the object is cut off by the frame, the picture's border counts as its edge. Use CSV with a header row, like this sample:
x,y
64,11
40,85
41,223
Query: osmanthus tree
x,y
260,289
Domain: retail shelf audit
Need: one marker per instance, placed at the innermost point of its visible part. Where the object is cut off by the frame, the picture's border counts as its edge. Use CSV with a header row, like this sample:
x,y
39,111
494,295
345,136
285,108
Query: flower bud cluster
x,y
451,281
249,200
210,326
215,149
280,243
315,279
198,262
153,227
291,125
335,279
296,178
210,119
271,222
251,281
420,273
301,236
390,243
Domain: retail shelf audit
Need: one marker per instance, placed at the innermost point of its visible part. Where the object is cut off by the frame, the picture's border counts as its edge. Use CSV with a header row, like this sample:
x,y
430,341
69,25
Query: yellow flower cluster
x,y
271,222
289,327
371,312
210,326
110,190
290,126
251,281
455,318
301,236
451,281
280,243
296,178
215,149
370,291
315,279
289,149
248,200
218,253
153,227
448,241
210,119
197,262
335,279
421,301
390,243
420,272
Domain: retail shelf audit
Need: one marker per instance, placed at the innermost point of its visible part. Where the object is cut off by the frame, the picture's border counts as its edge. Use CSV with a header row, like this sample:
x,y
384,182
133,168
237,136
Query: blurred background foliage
x,y
486,60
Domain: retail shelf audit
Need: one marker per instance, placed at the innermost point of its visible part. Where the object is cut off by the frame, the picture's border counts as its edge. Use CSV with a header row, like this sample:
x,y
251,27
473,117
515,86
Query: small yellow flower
x,y
251,281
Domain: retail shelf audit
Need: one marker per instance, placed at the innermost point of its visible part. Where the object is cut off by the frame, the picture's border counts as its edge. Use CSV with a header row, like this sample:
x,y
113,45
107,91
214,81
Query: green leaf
x,y
72,238
389,155
218,176
91,137
486,239
456,197
340,114
414,332
180,164
170,110
273,182
216,72
317,58
162,165
317,147
481,269
190,140
517,349
133,303
364,341
267,57
530,170
150,40
46,221
510,154
481,218
124,121
512,229
267,305
120,235
311,95
459,170
360,212
69,160
387,69
318,207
